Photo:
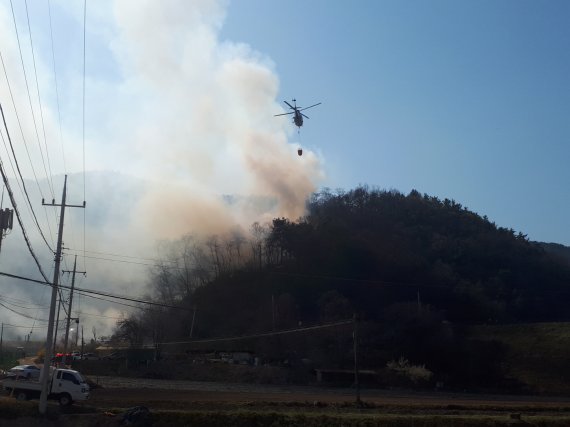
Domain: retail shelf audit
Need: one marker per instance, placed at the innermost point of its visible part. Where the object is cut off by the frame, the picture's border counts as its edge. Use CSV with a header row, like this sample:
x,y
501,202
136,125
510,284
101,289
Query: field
x,y
536,354
218,404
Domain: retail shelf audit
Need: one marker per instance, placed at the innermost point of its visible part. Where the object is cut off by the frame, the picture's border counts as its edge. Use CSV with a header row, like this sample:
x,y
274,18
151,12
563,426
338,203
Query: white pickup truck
x,y
65,385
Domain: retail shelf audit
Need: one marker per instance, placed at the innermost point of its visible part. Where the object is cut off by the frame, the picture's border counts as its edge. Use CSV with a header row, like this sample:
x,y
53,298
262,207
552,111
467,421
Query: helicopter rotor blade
x,y
301,109
290,106
284,114
304,116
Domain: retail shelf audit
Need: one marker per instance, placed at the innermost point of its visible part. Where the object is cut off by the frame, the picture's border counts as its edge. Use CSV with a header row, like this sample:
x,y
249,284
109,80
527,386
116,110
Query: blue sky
x,y
458,99
466,100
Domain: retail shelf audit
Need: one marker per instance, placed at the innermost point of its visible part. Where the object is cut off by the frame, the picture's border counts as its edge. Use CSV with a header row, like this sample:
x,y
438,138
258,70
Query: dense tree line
x,y
416,270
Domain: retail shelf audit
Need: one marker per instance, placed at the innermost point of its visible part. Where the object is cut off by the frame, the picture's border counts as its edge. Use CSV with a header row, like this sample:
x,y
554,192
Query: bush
x,y
415,373
40,356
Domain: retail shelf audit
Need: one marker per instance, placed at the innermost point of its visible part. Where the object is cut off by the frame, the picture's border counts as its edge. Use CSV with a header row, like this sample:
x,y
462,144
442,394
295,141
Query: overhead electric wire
x,y
39,97
27,316
22,179
121,256
134,262
263,334
100,315
23,326
15,304
16,300
30,98
84,214
115,302
100,293
59,110
26,147
17,212
56,88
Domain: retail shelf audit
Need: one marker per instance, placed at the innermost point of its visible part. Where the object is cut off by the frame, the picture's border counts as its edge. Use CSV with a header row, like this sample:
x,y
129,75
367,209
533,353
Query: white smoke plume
x,y
203,122
187,116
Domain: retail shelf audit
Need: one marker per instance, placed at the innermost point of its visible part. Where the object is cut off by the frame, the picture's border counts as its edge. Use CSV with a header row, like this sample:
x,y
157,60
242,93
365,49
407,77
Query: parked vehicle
x,y
117,355
90,356
25,371
65,385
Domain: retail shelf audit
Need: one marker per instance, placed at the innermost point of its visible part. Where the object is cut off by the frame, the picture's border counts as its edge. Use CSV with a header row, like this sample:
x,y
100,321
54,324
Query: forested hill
x,y
561,251
438,244
417,271
365,250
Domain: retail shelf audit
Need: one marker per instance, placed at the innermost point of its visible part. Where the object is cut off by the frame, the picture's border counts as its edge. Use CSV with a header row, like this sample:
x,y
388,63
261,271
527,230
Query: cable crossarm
x,y
265,334
22,179
15,206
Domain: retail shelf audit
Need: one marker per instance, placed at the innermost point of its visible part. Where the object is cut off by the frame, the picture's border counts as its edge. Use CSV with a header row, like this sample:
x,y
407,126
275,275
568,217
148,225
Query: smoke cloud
x,y
176,119
203,124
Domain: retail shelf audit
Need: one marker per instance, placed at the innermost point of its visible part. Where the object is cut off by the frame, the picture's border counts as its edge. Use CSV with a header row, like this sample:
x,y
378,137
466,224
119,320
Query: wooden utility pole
x,y
49,339
192,325
70,304
56,324
355,342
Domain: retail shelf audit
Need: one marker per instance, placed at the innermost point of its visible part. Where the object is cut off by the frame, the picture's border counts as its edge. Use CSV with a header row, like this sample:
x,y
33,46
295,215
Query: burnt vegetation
x,y
418,271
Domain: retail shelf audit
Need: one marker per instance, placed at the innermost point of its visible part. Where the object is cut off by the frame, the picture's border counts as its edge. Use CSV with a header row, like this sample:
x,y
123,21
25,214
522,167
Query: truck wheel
x,y
21,395
65,399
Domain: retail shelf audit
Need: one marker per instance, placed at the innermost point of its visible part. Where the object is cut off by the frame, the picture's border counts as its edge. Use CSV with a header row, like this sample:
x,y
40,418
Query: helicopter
x,y
298,116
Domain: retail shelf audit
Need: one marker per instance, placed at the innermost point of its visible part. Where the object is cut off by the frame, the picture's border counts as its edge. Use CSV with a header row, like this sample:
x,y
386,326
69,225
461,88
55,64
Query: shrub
x,y
415,373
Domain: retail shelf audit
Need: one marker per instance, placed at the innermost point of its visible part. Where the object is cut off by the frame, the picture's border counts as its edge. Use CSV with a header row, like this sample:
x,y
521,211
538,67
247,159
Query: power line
x,y
38,91
25,145
30,97
22,179
264,334
133,262
58,109
56,87
15,206
100,293
16,304
22,326
84,214
27,316
99,315
114,302
121,256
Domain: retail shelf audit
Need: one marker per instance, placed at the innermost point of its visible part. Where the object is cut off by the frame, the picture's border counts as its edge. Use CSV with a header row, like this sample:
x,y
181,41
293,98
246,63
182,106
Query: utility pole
x,y
45,374
70,303
273,312
1,341
56,324
82,342
355,341
192,325
6,222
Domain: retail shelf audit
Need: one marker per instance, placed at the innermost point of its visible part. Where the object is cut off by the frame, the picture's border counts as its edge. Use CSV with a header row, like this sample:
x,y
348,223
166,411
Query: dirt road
x,y
165,394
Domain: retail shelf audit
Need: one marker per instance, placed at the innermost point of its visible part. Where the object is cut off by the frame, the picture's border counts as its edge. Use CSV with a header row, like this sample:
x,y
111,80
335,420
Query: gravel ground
x,y
166,390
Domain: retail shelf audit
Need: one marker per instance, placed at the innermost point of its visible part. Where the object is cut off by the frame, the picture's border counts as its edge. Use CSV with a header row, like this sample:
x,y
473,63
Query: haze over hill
x,y
115,225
